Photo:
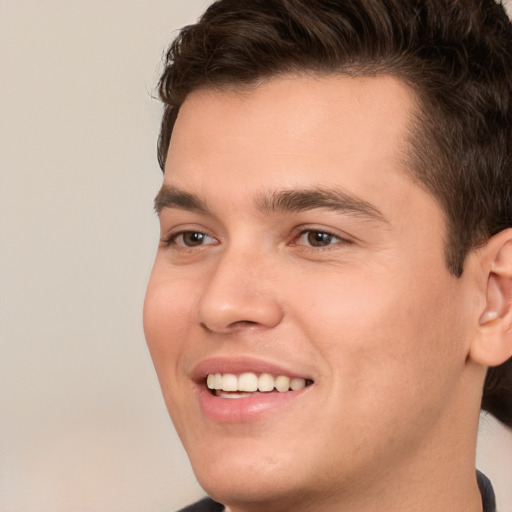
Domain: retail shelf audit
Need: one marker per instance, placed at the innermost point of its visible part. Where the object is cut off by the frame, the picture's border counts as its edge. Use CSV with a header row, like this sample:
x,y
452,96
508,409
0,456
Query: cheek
x,y
385,339
167,316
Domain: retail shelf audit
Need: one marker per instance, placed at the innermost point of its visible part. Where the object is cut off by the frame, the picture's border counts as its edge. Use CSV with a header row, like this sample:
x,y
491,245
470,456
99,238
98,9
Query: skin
x,y
374,317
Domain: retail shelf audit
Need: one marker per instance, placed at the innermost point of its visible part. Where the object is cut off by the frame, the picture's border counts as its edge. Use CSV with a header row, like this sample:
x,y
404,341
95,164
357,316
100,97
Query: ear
x,y
493,344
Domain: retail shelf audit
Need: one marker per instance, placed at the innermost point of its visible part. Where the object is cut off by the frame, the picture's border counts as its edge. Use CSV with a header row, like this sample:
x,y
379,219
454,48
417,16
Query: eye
x,y
317,238
190,239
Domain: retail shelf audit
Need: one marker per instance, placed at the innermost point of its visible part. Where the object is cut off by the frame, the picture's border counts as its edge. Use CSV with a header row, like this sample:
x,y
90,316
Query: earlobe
x,y
493,343
488,316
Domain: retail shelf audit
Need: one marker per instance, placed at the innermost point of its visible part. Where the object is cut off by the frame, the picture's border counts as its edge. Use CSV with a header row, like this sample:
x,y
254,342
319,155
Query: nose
x,y
240,293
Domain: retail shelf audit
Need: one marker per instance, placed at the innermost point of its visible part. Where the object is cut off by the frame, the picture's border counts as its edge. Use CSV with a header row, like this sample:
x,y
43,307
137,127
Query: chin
x,y
269,491
247,476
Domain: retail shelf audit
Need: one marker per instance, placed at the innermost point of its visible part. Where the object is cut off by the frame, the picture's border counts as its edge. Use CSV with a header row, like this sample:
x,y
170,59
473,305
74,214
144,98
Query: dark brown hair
x,y
455,54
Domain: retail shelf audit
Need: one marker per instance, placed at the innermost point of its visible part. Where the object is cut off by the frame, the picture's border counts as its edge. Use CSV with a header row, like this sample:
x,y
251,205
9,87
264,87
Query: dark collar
x,y
205,505
487,492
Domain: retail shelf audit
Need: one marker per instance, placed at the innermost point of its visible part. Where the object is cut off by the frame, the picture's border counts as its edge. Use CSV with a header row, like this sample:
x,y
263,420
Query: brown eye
x,y
193,238
319,238
183,240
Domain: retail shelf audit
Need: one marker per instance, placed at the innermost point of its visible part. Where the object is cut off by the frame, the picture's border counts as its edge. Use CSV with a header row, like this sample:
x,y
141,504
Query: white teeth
x,y
232,395
265,382
283,383
249,382
229,382
296,384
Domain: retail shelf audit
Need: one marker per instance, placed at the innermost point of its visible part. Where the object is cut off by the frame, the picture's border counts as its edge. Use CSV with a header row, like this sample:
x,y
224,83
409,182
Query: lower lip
x,y
243,410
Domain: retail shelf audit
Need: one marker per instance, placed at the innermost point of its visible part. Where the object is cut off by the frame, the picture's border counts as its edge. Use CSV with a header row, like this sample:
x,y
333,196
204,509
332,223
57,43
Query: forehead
x,y
293,131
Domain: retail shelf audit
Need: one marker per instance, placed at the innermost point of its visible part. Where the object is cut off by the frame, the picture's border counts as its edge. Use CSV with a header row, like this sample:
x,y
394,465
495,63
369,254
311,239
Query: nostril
x,y
233,326
243,323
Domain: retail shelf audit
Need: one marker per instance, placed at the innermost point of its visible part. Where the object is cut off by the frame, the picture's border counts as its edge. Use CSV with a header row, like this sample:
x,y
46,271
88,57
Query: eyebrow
x,y
172,197
310,199
279,201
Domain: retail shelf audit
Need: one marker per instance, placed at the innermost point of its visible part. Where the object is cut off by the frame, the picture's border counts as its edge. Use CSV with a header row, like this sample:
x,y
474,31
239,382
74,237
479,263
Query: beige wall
x,y
82,424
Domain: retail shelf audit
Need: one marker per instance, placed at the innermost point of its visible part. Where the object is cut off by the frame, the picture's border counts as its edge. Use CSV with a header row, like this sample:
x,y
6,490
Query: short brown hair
x,y
455,54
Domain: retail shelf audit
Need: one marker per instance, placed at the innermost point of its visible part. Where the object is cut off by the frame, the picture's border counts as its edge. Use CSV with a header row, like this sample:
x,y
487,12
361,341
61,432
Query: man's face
x,y
295,244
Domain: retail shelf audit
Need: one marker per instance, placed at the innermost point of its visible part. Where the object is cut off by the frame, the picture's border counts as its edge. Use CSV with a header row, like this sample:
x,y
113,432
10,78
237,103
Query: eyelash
x,y
304,231
171,240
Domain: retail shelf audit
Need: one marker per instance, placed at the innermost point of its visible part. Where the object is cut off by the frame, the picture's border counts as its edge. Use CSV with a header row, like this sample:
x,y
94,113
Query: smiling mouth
x,y
229,385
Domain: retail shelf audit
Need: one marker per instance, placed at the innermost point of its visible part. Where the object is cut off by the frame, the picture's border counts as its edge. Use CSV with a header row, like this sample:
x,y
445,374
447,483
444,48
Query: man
x,y
334,276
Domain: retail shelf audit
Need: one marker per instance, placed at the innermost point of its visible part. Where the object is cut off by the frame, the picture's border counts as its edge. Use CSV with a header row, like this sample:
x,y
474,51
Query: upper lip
x,y
238,365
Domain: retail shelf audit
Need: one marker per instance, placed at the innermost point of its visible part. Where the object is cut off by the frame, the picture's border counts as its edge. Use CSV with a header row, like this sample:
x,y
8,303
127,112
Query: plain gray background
x,y
83,427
